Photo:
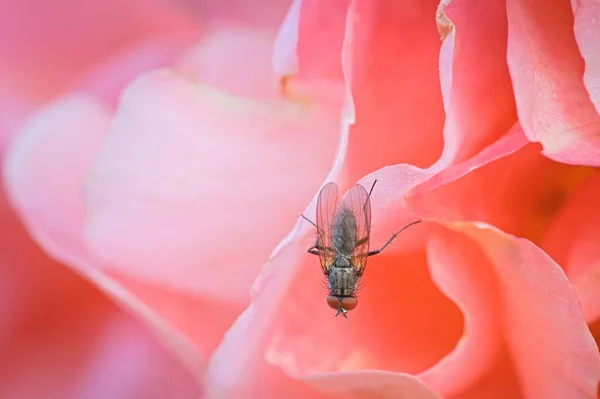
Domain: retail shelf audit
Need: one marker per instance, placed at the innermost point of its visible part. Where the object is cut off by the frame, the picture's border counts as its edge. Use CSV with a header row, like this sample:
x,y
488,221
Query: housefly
x,y
343,234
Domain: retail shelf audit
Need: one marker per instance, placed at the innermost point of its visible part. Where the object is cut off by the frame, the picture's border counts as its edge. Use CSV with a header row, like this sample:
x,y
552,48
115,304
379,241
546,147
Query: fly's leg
x,y
317,249
309,221
375,252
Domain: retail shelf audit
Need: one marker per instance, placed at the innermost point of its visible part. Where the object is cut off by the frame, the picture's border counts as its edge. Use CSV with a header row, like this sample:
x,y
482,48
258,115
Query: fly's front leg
x,y
375,252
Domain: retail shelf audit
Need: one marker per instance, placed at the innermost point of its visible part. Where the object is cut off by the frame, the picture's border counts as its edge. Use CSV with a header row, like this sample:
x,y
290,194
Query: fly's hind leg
x,y
375,252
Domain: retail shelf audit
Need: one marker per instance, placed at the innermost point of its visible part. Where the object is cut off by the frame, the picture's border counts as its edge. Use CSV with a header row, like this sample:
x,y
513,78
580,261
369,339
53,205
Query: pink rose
x,y
176,200
458,309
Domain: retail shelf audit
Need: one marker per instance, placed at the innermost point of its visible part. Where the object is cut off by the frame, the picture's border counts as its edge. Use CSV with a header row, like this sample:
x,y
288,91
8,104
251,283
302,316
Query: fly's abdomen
x,y
343,232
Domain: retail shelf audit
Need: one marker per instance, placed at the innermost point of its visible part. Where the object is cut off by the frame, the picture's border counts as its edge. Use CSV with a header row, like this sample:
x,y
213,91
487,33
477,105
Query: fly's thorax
x,y
343,232
342,281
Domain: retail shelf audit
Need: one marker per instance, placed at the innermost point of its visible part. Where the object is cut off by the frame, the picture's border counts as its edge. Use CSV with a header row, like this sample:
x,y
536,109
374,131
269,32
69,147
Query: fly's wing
x,y
326,210
358,203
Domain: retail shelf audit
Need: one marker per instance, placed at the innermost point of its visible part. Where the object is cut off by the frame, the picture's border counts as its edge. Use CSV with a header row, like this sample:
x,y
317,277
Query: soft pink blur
x,y
162,152
61,336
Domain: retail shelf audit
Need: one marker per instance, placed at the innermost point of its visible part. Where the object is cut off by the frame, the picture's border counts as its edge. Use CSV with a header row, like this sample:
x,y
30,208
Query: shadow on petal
x,y
402,323
572,241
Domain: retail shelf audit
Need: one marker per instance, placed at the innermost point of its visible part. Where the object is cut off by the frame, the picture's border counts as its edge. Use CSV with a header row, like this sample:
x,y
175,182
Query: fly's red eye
x,y
349,303
333,302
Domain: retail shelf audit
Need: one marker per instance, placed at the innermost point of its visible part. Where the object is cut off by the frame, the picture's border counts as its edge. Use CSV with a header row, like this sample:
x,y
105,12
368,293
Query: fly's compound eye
x,y
347,303
333,302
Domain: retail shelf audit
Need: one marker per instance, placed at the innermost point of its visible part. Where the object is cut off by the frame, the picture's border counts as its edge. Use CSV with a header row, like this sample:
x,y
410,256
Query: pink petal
x,y
44,170
408,127
70,130
285,58
108,78
215,61
46,36
572,241
553,104
44,46
62,338
391,53
517,190
455,265
506,145
586,14
366,385
551,346
164,179
309,41
499,382
476,36
258,13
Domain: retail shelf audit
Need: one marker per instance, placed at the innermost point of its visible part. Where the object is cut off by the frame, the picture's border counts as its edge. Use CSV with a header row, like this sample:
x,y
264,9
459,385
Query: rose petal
x,y
172,141
476,35
520,193
211,61
309,41
500,382
264,13
59,331
586,15
546,68
390,126
34,39
43,51
367,385
107,79
285,58
456,268
373,86
88,348
44,170
572,241
506,145
551,346
70,130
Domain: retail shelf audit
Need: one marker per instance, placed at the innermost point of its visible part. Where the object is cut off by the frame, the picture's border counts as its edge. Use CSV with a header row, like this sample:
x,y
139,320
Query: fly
x,y
343,234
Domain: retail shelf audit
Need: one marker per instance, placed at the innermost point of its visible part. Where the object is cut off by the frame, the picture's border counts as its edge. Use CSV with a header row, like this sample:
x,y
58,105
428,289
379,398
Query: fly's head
x,y
343,282
342,304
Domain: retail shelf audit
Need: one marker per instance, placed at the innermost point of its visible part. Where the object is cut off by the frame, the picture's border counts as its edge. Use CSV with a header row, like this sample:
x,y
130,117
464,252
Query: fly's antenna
x,y
308,220
372,187
369,196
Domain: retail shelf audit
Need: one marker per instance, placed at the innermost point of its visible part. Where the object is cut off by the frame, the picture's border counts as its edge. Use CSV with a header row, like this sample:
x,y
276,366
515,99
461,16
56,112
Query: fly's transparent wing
x,y
356,202
326,209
